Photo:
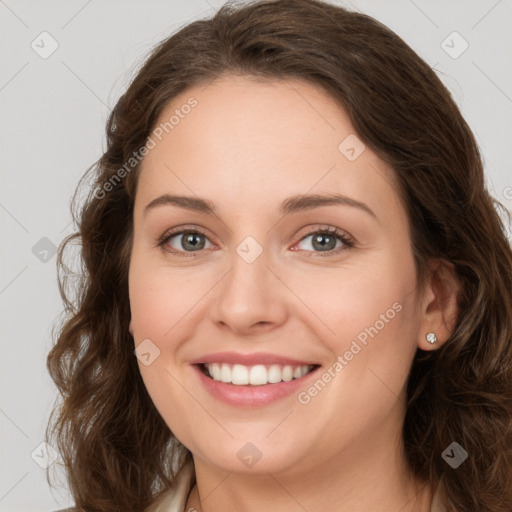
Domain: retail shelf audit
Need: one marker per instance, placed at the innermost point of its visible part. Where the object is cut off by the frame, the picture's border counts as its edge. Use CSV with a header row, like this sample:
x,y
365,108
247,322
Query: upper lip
x,y
249,359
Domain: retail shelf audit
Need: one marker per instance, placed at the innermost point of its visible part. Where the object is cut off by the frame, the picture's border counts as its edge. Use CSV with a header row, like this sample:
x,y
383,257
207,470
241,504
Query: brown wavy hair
x,y
117,451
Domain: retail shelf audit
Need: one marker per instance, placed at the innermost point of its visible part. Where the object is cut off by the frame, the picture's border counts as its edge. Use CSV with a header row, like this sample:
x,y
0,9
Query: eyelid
x,y
171,233
347,240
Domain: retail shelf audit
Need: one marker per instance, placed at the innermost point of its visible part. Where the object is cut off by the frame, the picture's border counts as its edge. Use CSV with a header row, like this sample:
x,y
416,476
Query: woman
x,y
297,292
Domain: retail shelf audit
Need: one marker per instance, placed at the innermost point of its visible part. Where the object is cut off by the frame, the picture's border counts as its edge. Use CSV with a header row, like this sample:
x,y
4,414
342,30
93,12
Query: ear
x,y
130,328
440,308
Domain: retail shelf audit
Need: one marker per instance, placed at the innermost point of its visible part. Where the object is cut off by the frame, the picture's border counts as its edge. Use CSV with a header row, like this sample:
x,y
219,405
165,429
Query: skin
x,y
246,146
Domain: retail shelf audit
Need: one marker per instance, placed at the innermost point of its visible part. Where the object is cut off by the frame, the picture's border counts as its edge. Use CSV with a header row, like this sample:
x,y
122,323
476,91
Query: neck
x,y
233,493
370,474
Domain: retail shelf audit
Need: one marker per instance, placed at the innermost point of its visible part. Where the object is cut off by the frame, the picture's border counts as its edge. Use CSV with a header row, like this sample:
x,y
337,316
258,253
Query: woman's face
x,y
256,295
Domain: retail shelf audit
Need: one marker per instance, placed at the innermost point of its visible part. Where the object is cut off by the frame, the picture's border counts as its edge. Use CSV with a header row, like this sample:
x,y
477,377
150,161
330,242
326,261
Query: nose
x,y
250,298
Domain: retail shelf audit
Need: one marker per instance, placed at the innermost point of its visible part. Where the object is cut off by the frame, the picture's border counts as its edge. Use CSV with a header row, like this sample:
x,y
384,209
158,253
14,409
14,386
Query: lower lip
x,y
250,396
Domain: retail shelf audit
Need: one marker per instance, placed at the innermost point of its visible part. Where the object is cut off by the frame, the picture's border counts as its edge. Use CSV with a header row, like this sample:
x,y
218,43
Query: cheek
x,y
356,302
155,306
367,316
372,347
161,297
159,305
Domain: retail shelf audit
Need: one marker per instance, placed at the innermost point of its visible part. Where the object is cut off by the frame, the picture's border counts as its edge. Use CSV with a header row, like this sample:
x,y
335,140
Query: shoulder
x,y
172,501
438,500
175,499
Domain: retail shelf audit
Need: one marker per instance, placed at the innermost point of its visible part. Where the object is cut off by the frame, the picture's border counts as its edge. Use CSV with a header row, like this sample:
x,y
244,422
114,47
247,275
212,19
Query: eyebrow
x,y
290,205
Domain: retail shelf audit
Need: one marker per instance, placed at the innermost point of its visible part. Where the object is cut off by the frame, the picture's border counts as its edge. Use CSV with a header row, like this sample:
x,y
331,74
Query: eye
x,y
187,241
325,240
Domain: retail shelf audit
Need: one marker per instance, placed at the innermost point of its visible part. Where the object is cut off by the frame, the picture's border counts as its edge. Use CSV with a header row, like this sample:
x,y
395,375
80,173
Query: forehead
x,y
249,141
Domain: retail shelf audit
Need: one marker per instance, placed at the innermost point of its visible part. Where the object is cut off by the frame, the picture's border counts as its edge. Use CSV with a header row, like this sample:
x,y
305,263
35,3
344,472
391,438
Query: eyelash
x,y
340,235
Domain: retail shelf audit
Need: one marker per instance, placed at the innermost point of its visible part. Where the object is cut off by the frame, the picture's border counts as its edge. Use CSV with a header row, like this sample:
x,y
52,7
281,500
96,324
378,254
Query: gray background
x,y
53,113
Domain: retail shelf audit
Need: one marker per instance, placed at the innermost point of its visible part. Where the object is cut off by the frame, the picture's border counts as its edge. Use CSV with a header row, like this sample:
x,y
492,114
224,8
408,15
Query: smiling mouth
x,y
256,375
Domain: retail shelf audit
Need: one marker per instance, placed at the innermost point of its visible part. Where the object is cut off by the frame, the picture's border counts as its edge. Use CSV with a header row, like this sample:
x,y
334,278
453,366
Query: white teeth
x,y
274,374
257,375
225,372
214,371
287,375
239,375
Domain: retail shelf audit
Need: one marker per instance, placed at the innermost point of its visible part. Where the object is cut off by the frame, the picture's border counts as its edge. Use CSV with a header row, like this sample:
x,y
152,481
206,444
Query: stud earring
x,y
431,338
